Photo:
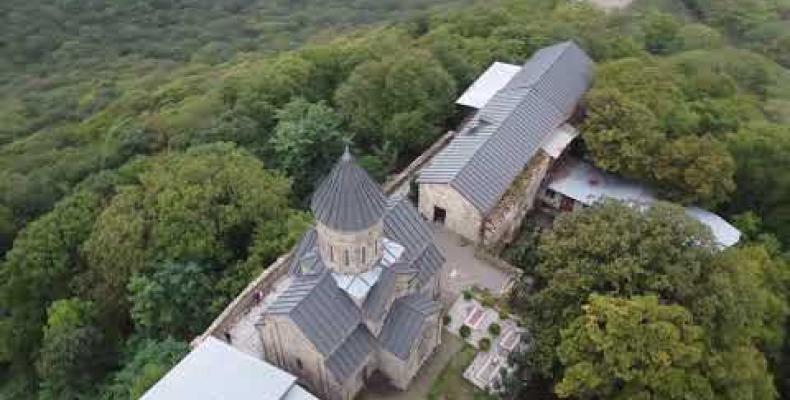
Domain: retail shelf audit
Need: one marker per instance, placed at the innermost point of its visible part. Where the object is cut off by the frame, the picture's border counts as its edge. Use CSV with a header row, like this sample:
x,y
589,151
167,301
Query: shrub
x,y
484,344
494,329
488,302
465,331
467,295
503,315
446,319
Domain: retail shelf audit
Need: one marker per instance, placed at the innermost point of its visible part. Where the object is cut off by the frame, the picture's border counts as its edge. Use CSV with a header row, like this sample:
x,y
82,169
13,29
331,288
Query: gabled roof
x,y
322,311
348,199
405,323
351,354
215,370
507,132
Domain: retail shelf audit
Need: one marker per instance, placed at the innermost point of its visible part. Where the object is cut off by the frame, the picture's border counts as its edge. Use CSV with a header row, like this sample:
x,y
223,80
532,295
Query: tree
x,y
173,300
621,135
39,269
146,362
614,249
7,229
74,351
662,33
633,348
410,88
760,151
306,142
694,169
736,296
201,205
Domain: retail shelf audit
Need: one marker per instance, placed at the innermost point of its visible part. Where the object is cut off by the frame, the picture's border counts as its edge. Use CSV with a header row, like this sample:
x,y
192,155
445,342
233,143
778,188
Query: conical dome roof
x,y
348,199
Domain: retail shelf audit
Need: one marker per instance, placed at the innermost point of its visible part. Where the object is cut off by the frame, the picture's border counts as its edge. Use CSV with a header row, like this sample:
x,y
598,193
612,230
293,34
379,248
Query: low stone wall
x,y
245,300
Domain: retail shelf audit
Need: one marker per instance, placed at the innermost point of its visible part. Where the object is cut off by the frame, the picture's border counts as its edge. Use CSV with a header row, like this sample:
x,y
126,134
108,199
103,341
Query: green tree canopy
x,y
737,296
146,362
410,88
760,151
74,352
633,349
307,142
172,300
201,205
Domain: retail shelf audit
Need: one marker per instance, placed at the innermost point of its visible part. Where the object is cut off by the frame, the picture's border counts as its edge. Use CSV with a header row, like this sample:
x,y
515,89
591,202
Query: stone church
x,y
361,292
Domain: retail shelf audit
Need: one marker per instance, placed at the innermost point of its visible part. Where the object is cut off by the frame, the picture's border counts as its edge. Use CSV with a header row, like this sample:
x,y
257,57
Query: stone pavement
x,y
243,334
464,270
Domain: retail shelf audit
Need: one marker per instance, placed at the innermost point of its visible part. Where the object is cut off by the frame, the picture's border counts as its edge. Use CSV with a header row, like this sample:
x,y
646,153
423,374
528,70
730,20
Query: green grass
x,y
451,385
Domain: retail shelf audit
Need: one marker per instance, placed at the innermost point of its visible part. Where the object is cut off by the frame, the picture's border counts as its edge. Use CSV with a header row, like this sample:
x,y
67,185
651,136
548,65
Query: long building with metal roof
x,y
466,182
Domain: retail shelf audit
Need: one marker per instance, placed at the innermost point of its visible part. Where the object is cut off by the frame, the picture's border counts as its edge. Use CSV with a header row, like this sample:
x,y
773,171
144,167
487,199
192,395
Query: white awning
x,y
558,140
487,84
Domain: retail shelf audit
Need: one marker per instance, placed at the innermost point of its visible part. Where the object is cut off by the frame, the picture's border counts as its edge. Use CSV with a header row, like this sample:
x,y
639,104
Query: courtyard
x,y
463,270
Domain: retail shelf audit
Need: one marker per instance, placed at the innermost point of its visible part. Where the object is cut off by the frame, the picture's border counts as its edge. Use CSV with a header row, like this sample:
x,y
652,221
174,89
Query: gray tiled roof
x,y
380,295
321,310
348,199
347,358
405,322
404,225
328,317
508,130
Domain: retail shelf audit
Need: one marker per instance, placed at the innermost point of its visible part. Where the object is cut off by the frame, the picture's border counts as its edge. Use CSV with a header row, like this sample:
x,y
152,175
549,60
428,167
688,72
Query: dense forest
x,y
156,155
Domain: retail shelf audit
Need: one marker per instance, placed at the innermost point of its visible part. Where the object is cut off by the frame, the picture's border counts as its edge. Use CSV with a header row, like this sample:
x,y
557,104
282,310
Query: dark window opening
x,y
439,215
299,363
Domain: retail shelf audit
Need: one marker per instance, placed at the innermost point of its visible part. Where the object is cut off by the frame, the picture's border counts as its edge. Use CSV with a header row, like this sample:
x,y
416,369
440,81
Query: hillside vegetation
x,y
155,156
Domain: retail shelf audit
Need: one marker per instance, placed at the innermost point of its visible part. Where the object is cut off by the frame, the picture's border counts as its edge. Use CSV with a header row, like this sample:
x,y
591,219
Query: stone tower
x,y
349,207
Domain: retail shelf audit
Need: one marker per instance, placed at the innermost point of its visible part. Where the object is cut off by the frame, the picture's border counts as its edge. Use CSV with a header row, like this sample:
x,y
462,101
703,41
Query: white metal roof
x,y
487,84
216,371
557,141
587,184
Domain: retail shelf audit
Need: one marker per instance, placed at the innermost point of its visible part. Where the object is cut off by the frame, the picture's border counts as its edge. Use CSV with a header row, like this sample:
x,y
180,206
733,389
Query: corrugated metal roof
x,y
348,199
586,184
321,310
215,370
351,355
405,322
510,128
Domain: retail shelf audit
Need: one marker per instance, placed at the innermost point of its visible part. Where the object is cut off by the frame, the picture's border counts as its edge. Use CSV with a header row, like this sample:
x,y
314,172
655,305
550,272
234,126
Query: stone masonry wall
x,y
503,223
462,217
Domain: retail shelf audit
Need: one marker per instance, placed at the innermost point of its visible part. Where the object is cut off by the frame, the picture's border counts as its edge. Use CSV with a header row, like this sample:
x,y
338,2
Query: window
x,y
364,254
331,253
346,259
299,363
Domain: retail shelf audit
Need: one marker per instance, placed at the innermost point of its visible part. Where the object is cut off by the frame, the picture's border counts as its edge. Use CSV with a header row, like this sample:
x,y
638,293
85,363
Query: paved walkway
x,y
464,270
243,334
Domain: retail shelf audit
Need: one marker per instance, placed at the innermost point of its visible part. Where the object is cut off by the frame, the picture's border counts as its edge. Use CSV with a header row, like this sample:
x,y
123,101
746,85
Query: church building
x,y
361,292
